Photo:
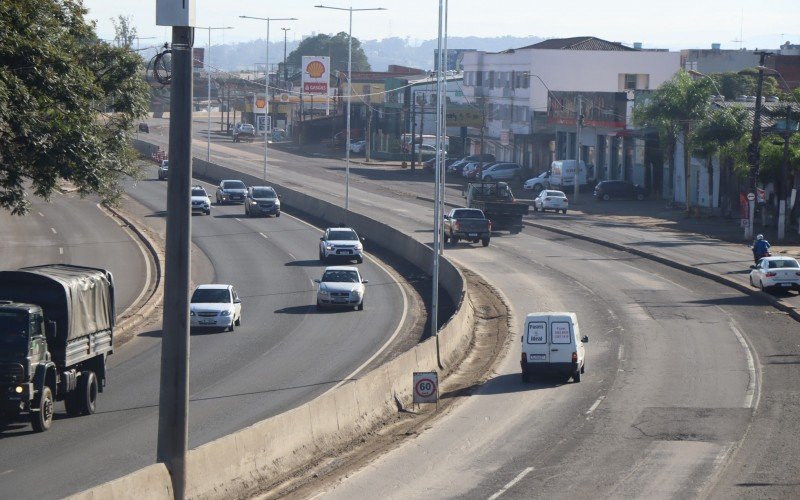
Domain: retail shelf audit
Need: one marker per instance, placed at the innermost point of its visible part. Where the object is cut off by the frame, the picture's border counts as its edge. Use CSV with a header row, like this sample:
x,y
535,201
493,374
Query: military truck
x,y
498,204
56,331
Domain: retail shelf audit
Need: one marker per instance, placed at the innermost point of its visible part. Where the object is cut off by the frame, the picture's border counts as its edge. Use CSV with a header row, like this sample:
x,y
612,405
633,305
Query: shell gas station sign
x,y
316,74
259,104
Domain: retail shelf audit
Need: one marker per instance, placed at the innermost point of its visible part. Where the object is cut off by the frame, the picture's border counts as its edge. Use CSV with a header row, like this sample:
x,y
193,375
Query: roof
x,y
213,286
579,43
341,268
340,229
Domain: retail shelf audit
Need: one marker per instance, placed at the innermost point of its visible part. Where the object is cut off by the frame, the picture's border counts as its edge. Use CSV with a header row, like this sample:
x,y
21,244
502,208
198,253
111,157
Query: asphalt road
x,y
683,375
285,353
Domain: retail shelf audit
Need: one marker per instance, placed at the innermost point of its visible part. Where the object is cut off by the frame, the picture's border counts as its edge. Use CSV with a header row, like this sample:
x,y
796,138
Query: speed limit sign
x,y
426,387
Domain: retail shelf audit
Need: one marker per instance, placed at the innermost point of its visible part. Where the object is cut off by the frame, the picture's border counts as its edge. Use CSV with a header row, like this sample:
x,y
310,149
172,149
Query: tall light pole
x,y
285,68
207,64
349,91
266,82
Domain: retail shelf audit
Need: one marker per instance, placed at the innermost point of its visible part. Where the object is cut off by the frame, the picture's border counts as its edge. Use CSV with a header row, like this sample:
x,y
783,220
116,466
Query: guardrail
x,y
235,464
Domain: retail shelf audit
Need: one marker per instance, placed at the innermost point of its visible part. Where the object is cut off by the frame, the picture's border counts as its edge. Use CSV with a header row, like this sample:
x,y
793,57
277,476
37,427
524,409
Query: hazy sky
x,y
674,24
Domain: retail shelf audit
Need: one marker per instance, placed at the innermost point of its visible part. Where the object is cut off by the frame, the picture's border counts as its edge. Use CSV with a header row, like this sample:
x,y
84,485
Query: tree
x,y
56,79
125,34
673,110
335,46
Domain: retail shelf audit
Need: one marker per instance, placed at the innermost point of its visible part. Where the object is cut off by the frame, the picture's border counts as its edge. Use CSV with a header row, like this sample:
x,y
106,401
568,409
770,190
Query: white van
x,y
562,174
551,343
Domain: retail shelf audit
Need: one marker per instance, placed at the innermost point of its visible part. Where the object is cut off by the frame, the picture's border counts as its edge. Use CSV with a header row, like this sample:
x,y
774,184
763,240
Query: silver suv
x,y
200,202
342,243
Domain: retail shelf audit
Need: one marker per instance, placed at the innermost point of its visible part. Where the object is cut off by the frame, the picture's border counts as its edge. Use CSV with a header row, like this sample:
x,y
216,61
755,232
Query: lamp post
x,y
285,68
349,91
266,82
754,150
207,64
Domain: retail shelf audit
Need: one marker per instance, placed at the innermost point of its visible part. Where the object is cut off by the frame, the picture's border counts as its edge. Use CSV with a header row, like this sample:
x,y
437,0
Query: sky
x,y
674,24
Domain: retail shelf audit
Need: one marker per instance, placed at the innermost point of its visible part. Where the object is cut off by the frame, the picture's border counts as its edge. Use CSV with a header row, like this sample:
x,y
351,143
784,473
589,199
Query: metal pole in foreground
x,y
437,217
173,429
349,98
577,149
755,140
266,105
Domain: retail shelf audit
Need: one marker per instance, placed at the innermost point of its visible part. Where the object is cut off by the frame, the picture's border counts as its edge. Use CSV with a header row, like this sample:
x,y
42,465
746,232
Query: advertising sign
x,y
560,332
259,104
463,115
316,74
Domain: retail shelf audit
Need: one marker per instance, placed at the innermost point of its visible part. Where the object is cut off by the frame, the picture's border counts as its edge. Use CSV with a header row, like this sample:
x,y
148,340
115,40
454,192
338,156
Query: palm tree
x,y
721,133
673,110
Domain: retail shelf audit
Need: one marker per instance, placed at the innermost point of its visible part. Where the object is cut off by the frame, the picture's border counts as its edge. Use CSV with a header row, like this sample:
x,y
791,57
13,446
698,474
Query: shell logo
x,y
261,102
284,97
315,69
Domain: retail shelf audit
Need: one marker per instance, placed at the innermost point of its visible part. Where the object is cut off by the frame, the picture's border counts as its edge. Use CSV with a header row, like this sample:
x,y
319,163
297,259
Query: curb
x,y
774,301
135,318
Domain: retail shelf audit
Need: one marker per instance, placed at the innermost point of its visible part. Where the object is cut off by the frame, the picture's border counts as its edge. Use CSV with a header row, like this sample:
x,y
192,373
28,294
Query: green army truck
x,y
56,331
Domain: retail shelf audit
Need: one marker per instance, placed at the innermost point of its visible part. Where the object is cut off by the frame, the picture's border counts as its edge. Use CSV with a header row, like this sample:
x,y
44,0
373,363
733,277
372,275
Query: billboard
x,y
316,74
259,104
464,115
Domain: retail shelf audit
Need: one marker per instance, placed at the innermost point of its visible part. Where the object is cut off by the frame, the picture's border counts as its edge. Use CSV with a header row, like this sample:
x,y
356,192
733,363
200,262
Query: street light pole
x,y
285,69
755,139
207,64
266,83
349,93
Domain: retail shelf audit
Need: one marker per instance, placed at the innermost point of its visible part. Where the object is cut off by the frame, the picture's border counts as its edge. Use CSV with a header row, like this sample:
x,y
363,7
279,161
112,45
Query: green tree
x,y
673,110
56,81
733,85
722,133
125,34
335,47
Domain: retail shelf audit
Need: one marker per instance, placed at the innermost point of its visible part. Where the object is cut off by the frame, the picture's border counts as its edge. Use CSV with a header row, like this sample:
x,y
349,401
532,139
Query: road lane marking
x,y
60,250
263,236
621,352
511,483
41,214
237,219
595,405
293,257
54,230
751,368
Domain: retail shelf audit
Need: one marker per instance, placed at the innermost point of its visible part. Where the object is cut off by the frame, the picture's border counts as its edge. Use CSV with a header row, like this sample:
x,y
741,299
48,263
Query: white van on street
x,y
562,174
551,344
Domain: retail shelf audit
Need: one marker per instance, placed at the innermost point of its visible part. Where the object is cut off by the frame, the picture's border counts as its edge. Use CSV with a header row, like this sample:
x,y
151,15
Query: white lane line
x,y
595,405
751,368
41,214
511,483
293,257
54,230
60,250
9,471
237,219
621,352
263,236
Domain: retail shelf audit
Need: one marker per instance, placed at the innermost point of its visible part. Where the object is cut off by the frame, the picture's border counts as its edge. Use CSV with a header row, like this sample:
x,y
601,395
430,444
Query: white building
x,y
530,98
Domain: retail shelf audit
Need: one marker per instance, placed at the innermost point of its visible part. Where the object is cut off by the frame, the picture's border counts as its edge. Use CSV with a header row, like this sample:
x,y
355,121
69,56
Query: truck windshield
x,y
13,331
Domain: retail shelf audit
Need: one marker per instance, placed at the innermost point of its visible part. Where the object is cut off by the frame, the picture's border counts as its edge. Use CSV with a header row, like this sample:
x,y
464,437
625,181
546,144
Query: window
x,y
479,78
630,82
491,79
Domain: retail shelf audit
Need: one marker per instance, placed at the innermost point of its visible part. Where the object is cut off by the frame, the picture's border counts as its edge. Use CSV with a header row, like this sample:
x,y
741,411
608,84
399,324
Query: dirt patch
x,y
491,338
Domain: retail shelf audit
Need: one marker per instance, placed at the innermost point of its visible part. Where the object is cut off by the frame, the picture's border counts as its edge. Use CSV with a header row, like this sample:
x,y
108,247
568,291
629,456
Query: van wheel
x,y
606,197
583,368
576,376
525,378
87,392
43,418
639,197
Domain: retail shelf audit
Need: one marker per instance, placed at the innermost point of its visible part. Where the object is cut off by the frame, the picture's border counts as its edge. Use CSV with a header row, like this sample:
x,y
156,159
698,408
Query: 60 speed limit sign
x,y
426,387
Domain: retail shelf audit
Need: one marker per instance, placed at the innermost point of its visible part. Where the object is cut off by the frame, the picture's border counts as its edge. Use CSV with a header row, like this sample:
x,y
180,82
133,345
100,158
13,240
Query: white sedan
x,y
549,199
776,273
341,286
215,306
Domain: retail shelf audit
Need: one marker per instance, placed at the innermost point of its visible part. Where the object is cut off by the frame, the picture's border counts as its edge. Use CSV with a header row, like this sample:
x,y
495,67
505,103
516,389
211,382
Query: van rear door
x,y
561,340
536,346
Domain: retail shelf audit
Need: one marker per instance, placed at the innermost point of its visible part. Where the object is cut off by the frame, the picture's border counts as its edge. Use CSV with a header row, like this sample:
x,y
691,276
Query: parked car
x,y
459,165
502,172
341,242
537,183
262,200
341,286
549,199
200,202
471,170
244,132
163,170
143,127
606,190
429,164
231,191
776,273
358,146
215,306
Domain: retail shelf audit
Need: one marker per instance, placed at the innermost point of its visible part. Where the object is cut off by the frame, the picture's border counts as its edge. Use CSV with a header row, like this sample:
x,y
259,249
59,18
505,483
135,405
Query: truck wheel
x,y
87,392
43,418
238,322
454,239
576,376
485,242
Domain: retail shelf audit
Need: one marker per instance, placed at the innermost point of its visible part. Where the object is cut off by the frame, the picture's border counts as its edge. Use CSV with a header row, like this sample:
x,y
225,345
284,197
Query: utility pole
x,y
285,68
421,129
755,139
786,135
413,127
579,126
173,401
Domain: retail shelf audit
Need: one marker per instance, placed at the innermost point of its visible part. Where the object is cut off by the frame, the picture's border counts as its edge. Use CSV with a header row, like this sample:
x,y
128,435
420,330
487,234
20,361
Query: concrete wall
x,y
240,461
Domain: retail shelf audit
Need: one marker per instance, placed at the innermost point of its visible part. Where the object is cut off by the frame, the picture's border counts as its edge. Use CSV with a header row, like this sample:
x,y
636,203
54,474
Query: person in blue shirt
x,y
760,248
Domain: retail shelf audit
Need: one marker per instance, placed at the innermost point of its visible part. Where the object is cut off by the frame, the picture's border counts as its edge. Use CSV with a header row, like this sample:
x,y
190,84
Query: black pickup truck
x,y
467,224
497,202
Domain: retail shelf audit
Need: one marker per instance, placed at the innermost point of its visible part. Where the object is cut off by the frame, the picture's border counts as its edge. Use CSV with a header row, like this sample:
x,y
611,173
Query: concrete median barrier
x,y
236,464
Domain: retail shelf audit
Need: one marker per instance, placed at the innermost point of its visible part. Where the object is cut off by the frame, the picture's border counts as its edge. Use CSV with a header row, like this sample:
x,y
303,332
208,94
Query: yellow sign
x,y
261,102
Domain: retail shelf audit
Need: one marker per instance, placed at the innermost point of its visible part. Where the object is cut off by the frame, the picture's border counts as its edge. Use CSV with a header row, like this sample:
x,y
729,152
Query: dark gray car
x,y
262,200
231,191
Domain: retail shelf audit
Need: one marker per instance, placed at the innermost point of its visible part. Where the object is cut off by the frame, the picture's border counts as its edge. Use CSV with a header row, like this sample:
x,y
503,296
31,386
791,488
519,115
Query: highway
x,y
285,353
682,372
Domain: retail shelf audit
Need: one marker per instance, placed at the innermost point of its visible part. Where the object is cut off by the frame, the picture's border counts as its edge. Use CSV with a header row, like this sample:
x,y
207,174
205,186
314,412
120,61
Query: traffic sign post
x,y
426,387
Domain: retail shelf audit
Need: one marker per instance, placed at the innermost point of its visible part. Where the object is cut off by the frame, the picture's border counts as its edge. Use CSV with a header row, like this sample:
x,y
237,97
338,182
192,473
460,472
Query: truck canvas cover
x,y
79,299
